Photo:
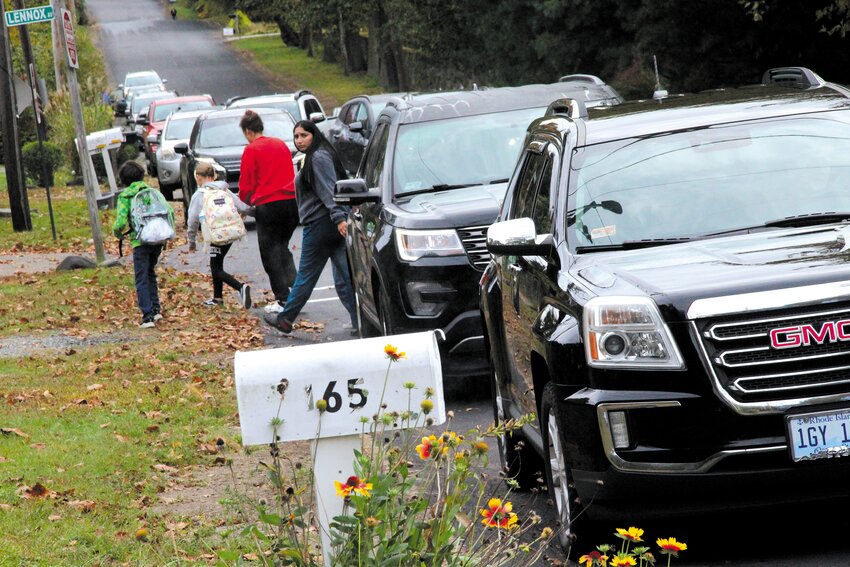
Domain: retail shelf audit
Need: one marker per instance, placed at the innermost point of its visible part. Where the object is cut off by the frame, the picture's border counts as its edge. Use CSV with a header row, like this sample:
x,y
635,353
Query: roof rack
x,y
571,107
302,92
799,77
579,78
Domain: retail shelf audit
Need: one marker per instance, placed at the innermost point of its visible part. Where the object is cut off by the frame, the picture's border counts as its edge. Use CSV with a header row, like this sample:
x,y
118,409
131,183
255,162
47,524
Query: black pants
x,y
219,276
276,221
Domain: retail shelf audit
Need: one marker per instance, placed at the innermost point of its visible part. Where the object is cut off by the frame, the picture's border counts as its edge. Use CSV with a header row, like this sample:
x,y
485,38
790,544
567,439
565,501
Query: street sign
x,y
29,16
70,38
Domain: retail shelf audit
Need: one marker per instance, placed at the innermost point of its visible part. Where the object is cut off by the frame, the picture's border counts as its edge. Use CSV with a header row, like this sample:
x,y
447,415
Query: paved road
x,y
138,34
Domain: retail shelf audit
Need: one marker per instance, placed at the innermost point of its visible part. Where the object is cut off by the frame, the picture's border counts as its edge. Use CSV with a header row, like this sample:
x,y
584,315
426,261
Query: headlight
x,y
628,332
415,244
167,154
219,169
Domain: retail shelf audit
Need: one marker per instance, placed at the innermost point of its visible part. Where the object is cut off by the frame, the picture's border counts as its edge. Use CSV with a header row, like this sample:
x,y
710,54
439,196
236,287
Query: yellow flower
x,y
353,484
426,448
393,353
623,560
631,534
593,558
480,448
426,406
372,521
498,515
669,546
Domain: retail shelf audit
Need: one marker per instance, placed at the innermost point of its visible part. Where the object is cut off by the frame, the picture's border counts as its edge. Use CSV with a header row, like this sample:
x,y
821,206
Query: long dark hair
x,y
319,141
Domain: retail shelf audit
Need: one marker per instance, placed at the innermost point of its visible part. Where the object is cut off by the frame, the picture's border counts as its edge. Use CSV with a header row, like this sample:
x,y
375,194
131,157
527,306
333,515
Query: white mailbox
x,y
354,378
104,140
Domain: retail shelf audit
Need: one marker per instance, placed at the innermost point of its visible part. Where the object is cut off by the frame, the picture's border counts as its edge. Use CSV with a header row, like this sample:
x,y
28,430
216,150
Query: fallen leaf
x,y
36,491
164,468
152,428
14,431
93,387
54,517
82,505
251,557
38,446
120,438
5,506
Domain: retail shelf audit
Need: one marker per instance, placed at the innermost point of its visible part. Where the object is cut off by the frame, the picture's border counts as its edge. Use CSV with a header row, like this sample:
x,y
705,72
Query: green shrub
x,y
34,156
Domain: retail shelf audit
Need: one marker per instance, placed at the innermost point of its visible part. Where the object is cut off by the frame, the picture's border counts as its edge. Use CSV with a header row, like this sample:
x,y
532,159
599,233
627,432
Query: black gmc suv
x,y
670,295
430,182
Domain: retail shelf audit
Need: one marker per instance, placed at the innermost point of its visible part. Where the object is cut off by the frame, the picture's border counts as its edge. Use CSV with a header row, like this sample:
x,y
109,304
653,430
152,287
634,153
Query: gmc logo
x,y
805,335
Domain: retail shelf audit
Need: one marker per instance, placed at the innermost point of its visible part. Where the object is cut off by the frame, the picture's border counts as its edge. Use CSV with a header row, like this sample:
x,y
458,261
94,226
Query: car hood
x,y
224,152
455,208
677,275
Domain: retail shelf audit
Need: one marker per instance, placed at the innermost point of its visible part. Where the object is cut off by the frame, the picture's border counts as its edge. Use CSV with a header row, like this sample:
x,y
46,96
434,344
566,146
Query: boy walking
x,y
145,256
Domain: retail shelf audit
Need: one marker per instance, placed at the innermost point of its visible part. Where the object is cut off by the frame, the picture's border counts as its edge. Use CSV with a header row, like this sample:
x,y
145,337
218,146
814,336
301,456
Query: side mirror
x,y
142,119
355,192
182,148
317,117
153,139
164,81
518,237
121,86
356,126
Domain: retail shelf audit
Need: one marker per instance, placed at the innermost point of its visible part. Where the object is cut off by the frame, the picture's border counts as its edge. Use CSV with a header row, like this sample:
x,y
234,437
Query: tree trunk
x,y
373,45
343,45
287,35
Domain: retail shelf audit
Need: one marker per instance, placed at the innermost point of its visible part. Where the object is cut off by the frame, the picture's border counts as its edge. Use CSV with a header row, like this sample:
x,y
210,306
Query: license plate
x,y
819,435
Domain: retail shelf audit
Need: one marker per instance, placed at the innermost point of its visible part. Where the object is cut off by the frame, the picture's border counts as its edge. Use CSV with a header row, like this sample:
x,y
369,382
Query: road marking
x,y
321,288
325,299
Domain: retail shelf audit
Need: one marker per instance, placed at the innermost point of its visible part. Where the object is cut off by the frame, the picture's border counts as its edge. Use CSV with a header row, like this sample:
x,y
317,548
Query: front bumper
x,y
168,171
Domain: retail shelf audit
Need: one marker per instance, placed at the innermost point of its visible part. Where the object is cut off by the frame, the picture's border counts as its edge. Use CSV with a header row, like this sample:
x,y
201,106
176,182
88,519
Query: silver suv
x,y
302,105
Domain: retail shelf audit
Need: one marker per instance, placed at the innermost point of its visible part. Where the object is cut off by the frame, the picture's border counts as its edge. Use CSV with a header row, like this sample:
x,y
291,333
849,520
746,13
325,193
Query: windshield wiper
x,y
809,219
633,244
438,187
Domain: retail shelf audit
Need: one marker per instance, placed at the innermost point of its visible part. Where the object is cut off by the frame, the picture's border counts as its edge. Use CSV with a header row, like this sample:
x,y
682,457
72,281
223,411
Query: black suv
x,y
669,295
431,181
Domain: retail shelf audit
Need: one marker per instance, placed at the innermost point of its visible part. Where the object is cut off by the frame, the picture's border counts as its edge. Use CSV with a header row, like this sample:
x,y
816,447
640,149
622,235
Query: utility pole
x,y
18,201
69,47
55,26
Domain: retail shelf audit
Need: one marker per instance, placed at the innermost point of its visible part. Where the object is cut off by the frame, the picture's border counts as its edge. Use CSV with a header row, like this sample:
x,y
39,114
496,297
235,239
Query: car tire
x,y
562,494
367,330
517,457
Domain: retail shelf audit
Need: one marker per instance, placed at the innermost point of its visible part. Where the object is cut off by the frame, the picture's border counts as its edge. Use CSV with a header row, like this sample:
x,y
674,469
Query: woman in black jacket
x,y
325,227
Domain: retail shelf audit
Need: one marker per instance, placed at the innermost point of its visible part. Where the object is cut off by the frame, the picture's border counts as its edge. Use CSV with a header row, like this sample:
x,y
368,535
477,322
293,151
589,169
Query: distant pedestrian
x,y
173,13
145,256
267,182
199,217
325,227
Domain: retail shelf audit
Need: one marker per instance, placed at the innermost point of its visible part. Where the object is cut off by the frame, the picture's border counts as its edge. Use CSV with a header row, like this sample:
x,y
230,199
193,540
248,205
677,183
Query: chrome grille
x,y
231,165
474,241
751,370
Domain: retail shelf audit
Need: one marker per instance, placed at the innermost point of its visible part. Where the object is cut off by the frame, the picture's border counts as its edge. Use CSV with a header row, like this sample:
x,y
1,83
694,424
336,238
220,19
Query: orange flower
x,y
498,515
426,448
669,546
393,353
623,560
353,484
631,534
593,558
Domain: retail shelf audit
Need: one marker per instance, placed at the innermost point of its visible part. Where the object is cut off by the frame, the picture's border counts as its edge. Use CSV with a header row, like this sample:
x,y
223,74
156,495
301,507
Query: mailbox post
x,y
351,376
101,142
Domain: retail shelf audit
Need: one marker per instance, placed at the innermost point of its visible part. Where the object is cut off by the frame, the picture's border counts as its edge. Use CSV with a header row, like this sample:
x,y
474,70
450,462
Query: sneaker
x,y
278,323
147,322
245,296
213,302
157,315
274,307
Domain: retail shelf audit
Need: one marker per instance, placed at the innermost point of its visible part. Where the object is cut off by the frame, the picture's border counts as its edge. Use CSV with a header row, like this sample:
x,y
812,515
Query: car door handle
x,y
356,215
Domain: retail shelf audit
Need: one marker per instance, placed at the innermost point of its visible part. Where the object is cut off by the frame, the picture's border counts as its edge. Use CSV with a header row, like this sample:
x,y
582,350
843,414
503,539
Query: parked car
x,y
142,79
157,113
668,294
177,128
351,127
302,105
430,183
596,87
216,138
138,109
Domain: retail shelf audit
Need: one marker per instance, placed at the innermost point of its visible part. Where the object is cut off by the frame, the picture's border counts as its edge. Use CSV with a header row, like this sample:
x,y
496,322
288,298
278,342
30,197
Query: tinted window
x,y
179,129
151,79
525,192
376,151
470,150
311,105
143,101
161,111
220,132
542,213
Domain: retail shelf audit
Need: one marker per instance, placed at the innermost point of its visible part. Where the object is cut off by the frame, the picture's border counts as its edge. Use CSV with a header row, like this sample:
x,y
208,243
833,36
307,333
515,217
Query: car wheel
x,y
518,459
559,480
385,312
367,330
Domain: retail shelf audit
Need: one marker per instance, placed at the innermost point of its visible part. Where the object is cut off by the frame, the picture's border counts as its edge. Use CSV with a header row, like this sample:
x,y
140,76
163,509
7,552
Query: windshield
x,y
471,150
179,129
161,111
288,105
221,132
143,101
712,180
142,80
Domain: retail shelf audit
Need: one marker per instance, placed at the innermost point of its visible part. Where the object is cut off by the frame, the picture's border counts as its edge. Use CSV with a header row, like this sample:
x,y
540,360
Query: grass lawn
x,y
296,70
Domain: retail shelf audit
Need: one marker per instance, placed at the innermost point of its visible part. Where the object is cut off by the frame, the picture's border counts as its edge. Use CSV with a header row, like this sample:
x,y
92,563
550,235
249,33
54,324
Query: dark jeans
x,y
145,257
219,276
276,222
321,242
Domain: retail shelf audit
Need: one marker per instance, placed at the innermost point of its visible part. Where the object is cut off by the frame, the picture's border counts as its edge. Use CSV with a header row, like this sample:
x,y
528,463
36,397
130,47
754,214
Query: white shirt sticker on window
x,y
603,231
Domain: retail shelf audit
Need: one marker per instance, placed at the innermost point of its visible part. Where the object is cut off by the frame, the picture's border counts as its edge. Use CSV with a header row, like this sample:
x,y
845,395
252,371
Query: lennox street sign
x,y
29,16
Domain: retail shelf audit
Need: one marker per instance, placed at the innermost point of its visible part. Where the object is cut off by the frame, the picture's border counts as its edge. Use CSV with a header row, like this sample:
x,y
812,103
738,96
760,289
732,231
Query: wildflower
x,y
546,533
480,448
393,353
623,560
322,405
450,439
426,406
632,534
372,521
409,385
592,558
498,515
429,392
426,448
353,484
669,546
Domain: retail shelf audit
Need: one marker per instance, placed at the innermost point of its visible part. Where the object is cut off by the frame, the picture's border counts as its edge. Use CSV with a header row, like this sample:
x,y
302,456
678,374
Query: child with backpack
x,y
219,214
149,221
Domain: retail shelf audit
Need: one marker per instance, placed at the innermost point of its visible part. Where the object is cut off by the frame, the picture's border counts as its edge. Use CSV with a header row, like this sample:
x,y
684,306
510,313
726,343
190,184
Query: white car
x,y
141,78
177,128
302,105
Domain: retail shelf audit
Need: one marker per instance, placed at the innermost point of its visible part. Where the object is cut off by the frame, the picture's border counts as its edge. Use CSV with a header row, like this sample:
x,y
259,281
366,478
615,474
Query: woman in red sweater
x,y
267,182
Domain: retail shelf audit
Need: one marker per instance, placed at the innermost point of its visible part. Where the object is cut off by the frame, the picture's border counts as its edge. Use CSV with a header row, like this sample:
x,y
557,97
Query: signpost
x,y
70,39
29,16
277,391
